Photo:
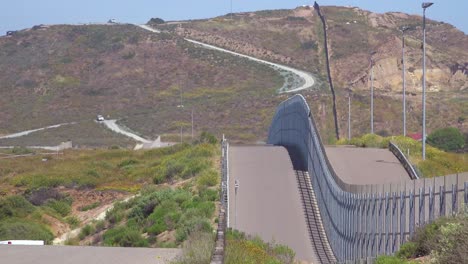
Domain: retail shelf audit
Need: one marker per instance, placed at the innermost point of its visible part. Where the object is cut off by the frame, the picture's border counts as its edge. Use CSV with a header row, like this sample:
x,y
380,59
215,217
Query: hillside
x,y
295,37
67,73
74,73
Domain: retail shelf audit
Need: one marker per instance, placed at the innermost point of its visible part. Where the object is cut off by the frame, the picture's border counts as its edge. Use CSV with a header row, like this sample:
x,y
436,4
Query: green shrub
x,y
208,179
73,221
86,231
22,229
89,206
209,138
209,195
191,226
448,139
21,151
407,250
390,260
15,206
126,163
243,249
155,21
124,237
60,206
100,225
197,249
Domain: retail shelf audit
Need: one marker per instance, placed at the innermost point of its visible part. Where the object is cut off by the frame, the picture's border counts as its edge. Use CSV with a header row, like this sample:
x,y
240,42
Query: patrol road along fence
x,y
362,221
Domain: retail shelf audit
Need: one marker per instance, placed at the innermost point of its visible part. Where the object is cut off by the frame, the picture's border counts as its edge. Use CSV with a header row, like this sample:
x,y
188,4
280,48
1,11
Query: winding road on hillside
x,y
308,79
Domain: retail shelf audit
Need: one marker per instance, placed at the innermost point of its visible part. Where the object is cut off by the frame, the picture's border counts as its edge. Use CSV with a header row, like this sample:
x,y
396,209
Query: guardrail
x,y
403,160
218,253
362,221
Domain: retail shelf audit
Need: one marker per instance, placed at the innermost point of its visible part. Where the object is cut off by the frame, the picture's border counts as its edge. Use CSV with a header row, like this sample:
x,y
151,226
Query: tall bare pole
x,y
424,6
372,95
349,116
404,78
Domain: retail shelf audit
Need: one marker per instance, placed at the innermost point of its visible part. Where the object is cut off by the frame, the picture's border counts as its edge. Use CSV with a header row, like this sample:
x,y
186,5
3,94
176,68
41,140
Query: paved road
x,y
365,165
84,255
268,202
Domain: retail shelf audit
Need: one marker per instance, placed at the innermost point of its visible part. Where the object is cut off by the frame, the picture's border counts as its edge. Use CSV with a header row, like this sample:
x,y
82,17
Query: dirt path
x,y
99,215
112,125
27,132
308,79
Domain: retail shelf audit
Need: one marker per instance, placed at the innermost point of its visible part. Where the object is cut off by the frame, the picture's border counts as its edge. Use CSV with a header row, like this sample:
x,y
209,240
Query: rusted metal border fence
x,y
362,221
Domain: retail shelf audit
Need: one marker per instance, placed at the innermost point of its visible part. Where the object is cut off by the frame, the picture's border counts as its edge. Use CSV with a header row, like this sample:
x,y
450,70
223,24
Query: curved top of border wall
x,y
293,116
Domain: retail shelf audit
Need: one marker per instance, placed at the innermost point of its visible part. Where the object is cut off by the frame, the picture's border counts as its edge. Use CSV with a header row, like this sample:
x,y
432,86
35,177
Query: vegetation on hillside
x,y
35,194
442,242
447,139
437,163
241,249
72,73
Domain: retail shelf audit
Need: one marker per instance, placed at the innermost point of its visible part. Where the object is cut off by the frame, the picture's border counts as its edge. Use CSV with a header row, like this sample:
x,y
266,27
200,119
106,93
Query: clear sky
x,y
19,14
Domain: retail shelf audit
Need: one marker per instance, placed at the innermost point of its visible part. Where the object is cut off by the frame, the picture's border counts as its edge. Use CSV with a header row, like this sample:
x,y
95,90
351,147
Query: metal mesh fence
x,y
362,221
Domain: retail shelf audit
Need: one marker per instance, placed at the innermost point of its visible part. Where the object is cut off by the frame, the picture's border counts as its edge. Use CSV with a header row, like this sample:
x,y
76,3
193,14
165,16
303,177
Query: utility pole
x,y
231,11
404,78
372,93
424,6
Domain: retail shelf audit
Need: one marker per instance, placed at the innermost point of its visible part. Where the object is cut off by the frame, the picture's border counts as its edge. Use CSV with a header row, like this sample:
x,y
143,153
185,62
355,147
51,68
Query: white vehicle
x,y
99,118
112,21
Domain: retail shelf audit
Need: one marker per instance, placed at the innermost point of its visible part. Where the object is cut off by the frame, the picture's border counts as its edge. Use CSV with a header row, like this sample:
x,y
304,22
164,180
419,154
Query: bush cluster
x,y
445,241
158,211
243,249
447,139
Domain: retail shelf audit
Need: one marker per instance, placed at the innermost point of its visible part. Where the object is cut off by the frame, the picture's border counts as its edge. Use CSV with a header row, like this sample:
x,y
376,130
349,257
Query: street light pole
x,y
372,93
424,6
404,78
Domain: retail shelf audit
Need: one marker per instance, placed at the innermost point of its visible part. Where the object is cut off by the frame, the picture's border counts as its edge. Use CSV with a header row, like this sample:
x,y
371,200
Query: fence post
x,y
387,223
454,199
402,217
442,201
411,212
466,196
394,222
431,204
422,215
380,225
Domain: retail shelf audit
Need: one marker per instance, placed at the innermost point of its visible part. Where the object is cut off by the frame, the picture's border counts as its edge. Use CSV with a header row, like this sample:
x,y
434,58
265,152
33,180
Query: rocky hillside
x,y
295,37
